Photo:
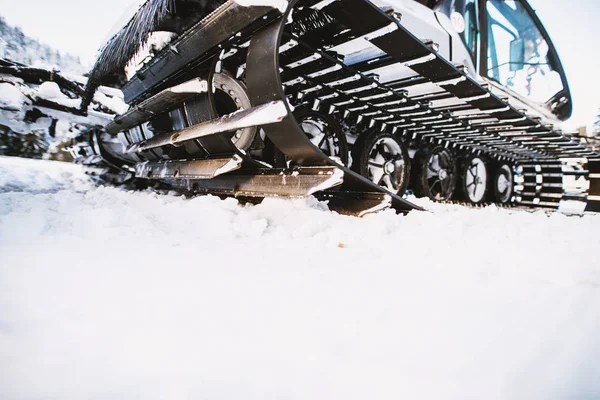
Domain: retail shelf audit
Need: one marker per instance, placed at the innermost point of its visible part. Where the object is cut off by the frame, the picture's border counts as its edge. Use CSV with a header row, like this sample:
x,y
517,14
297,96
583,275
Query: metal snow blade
x,y
266,182
223,176
188,169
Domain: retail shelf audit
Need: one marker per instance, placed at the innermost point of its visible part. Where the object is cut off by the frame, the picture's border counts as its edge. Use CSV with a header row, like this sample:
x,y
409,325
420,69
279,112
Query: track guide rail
x,y
263,114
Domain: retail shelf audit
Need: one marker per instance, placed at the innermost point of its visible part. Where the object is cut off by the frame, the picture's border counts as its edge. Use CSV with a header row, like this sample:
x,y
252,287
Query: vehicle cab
x,y
501,42
512,51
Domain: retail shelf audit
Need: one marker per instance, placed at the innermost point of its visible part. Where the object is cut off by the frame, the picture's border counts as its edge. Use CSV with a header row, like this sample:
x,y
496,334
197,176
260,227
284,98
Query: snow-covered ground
x,y
110,294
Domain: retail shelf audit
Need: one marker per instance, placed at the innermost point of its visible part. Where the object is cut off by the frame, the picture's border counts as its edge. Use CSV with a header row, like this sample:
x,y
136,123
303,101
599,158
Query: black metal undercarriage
x,y
255,102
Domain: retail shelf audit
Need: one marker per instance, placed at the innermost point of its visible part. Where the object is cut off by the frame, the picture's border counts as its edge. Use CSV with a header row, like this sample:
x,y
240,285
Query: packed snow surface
x,y
111,294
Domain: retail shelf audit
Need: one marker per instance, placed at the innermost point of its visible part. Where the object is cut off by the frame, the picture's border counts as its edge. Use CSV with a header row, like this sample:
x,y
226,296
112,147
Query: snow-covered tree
x,y
18,47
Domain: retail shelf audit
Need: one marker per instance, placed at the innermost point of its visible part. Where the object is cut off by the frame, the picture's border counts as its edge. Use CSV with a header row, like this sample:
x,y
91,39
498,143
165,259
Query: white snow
x,y
110,294
154,44
11,98
51,91
114,103
17,98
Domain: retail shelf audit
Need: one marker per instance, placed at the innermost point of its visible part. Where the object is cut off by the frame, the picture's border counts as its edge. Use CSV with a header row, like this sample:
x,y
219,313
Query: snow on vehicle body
x,y
349,100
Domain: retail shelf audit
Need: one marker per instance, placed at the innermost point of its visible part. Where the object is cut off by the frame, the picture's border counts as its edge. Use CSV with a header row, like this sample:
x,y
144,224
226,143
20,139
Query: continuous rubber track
x,y
290,57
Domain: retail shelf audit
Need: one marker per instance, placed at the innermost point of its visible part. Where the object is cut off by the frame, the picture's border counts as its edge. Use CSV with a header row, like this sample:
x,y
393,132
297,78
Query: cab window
x,y
471,31
518,52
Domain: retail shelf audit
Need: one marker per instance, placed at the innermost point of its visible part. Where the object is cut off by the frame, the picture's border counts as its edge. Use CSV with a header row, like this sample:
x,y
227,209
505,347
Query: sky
x,y
81,26
574,27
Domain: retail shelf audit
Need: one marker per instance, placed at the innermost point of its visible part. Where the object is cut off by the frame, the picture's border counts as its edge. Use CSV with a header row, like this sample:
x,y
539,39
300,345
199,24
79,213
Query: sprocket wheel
x,y
232,95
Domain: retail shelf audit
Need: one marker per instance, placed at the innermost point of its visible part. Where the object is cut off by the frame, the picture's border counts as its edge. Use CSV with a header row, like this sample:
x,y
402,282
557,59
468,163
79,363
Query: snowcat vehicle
x,y
352,101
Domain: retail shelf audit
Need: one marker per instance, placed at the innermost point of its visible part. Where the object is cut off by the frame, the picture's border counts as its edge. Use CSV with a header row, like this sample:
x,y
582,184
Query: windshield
x,y
518,53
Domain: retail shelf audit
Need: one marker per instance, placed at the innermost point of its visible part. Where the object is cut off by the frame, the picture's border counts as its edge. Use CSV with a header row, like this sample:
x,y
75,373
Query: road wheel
x,y
435,175
503,184
325,133
384,160
475,179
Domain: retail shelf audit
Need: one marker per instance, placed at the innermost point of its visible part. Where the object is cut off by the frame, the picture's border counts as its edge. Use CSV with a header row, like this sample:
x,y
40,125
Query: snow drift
x,y
106,293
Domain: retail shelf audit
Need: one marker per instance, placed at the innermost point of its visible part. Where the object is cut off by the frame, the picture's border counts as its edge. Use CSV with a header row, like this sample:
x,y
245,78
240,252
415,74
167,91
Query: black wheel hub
x,y
440,175
386,164
325,134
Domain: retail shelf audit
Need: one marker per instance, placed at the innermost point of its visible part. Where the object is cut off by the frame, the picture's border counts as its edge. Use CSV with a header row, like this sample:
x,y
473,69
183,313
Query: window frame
x,y
556,105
